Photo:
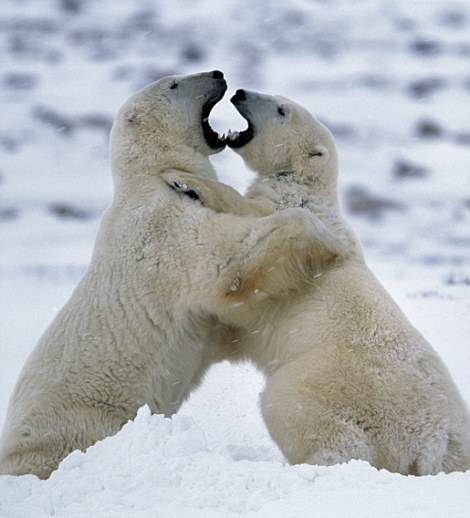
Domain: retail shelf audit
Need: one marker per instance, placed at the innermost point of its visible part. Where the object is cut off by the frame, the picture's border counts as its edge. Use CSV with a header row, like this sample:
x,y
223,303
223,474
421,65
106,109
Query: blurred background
x,y
390,79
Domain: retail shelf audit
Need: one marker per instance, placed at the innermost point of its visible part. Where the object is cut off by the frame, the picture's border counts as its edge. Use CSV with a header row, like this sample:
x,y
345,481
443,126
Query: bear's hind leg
x,y
336,442
457,457
309,431
36,461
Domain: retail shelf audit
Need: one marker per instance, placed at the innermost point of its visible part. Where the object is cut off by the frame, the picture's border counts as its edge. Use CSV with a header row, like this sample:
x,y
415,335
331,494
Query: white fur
x,y
142,325
348,376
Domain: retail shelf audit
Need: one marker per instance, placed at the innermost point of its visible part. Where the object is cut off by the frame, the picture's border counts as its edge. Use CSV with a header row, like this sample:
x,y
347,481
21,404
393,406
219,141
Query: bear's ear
x,y
319,153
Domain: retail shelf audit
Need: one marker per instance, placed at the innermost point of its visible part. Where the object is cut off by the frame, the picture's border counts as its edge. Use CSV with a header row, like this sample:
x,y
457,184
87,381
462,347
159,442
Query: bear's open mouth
x,y
238,139
213,139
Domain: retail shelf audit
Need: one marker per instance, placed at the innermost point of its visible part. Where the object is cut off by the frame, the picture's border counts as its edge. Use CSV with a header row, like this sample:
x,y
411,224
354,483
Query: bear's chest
x,y
289,195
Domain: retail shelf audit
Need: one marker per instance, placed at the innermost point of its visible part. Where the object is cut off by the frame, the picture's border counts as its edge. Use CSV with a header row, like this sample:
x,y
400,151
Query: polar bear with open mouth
x,y
143,323
348,376
351,377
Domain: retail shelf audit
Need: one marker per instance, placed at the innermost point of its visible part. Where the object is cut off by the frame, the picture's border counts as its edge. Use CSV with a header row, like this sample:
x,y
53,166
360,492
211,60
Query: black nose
x,y
240,95
217,74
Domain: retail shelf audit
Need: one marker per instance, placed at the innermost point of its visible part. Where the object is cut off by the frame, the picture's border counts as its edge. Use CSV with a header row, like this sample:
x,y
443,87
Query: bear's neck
x,y
288,189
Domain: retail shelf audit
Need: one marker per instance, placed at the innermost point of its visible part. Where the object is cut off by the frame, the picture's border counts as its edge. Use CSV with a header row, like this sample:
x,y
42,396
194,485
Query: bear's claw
x,y
184,189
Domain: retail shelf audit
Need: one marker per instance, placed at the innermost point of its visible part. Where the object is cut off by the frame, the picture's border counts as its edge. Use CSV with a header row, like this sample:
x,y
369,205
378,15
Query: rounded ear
x,y
319,153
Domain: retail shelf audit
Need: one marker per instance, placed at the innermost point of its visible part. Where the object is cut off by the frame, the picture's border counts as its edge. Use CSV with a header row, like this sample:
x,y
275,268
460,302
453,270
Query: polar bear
x,y
142,325
347,375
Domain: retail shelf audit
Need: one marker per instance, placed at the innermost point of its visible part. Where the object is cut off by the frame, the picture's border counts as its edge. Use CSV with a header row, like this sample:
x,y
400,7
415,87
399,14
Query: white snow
x,y
356,65
162,467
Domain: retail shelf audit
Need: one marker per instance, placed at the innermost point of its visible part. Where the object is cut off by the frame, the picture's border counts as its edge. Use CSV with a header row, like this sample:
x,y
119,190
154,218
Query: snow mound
x,y
161,467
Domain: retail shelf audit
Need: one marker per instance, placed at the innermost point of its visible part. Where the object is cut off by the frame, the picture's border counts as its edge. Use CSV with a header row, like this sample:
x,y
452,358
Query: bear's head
x,y
165,125
282,138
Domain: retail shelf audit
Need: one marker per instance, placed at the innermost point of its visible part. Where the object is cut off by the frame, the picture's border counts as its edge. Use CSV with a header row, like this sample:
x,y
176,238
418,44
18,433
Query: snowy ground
x,y
392,80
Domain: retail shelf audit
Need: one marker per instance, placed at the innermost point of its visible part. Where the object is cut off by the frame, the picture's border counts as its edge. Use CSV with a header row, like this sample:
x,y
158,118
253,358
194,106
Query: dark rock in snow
x,y
99,44
31,47
427,128
9,144
359,201
20,80
453,18
425,86
403,169
56,120
141,21
426,47
456,279
8,213
463,138
72,6
193,52
66,211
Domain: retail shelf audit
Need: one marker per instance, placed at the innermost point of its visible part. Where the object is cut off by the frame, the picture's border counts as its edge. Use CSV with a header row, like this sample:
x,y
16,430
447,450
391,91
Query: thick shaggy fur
x,y
143,324
348,376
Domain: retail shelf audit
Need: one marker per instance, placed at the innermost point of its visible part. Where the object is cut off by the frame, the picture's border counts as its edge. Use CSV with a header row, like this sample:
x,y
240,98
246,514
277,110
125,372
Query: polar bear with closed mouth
x,y
348,376
142,325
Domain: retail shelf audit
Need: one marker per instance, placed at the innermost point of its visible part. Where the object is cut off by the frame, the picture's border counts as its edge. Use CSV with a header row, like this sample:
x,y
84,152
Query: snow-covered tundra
x,y
348,376
141,327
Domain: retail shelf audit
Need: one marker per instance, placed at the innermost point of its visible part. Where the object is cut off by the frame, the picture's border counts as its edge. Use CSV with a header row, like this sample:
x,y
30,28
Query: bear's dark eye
x,y
280,111
174,85
315,153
